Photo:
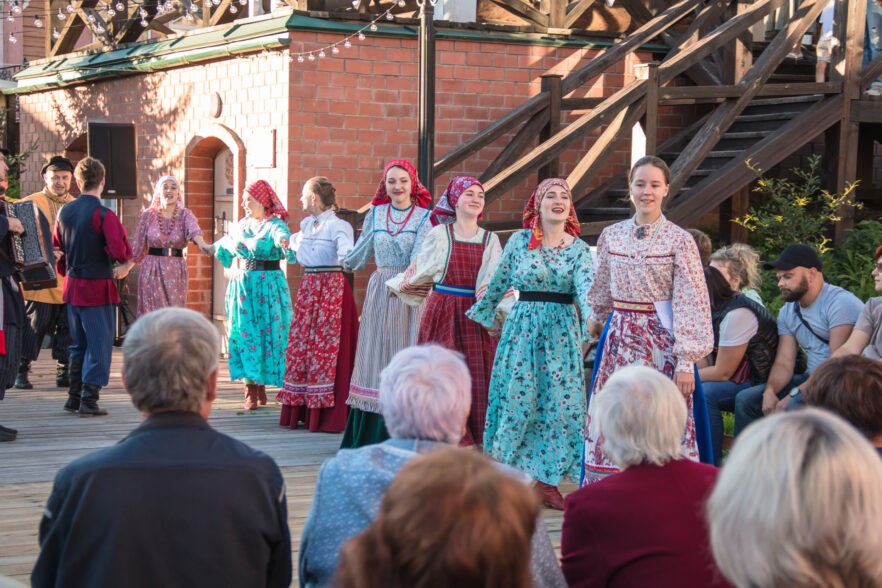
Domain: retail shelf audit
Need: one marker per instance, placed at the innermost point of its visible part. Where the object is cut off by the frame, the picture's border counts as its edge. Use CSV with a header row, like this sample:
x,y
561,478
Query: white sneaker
x,y
874,90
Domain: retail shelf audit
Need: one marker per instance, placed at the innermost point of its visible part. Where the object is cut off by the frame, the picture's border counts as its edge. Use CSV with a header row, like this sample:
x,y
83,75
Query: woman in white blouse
x,y
324,326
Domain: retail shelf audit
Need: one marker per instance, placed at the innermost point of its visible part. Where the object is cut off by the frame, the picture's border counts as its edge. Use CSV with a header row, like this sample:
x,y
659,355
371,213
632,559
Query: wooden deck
x,y
49,438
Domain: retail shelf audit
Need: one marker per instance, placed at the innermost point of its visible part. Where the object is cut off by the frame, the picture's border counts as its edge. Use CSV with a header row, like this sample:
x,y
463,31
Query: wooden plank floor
x,y
49,438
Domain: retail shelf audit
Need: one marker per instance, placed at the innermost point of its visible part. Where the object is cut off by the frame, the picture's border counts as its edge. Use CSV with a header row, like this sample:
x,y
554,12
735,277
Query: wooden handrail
x,y
870,73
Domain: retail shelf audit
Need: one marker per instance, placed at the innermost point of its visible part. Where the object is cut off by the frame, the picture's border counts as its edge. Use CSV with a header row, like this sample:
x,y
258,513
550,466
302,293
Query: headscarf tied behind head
x,y
265,194
156,203
418,192
532,220
444,212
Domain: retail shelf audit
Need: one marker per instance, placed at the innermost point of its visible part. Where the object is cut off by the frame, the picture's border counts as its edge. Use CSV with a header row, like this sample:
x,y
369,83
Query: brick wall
x,y
339,117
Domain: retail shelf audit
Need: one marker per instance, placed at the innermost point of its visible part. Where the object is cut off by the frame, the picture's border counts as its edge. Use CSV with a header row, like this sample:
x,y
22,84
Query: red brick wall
x,y
340,117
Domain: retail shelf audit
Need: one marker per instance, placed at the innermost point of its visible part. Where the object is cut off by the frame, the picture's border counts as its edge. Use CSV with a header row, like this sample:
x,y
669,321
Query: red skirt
x,y
321,354
445,323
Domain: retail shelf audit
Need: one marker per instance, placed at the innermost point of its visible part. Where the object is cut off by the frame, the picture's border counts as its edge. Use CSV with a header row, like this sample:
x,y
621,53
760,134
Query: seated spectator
x,y
645,523
745,341
449,518
850,386
175,503
739,264
799,503
705,246
425,395
866,337
818,317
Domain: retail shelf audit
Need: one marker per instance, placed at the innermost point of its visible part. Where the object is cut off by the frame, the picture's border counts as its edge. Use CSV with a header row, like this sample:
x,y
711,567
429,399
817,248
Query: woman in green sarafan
x,y
258,302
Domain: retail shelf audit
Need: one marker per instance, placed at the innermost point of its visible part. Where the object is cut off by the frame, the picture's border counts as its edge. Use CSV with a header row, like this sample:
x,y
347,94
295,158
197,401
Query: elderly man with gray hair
x,y
425,395
175,503
643,526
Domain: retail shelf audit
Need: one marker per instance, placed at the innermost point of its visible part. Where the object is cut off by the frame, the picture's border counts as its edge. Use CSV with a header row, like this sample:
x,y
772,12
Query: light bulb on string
x,y
16,9
347,44
143,23
311,57
190,17
389,16
110,12
55,33
402,3
233,9
299,59
119,6
360,36
38,23
12,38
100,29
60,15
322,54
373,27
335,50
91,17
10,18
70,9
243,2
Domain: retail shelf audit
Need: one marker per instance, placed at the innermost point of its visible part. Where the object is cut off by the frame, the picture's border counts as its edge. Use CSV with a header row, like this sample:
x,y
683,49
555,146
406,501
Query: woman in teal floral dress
x,y
258,302
536,417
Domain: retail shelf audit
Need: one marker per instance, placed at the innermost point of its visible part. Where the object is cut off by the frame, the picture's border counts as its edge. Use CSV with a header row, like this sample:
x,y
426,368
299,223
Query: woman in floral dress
x,y
159,244
536,417
258,302
454,267
650,285
324,327
392,232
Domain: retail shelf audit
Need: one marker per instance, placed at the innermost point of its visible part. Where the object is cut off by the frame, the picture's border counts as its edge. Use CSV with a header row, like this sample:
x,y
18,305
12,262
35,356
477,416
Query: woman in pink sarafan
x,y
161,238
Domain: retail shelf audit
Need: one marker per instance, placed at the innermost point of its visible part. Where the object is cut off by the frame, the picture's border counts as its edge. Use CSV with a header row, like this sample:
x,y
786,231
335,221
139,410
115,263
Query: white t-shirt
x,y
738,327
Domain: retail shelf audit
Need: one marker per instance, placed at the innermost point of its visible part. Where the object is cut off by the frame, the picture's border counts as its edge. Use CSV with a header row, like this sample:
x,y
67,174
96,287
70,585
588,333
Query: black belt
x,y
557,297
260,265
323,269
165,252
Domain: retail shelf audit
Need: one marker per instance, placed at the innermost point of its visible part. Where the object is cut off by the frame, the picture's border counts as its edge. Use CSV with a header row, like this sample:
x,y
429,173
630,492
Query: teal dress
x,y
258,302
537,411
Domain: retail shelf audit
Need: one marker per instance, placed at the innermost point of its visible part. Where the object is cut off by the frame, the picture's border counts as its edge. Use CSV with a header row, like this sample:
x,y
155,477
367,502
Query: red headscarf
x,y
532,220
418,192
444,212
264,193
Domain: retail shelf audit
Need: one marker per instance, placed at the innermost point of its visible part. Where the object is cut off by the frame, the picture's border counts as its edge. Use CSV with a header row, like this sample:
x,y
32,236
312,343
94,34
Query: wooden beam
x,y
528,133
575,12
132,29
72,29
735,90
580,103
551,83
870,73
557,13
524,10
95,25
866,111
725,114
650,124
219,12
612,135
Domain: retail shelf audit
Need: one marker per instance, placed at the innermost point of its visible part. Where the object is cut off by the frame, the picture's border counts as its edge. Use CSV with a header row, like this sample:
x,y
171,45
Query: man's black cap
x,y
57,163
796,255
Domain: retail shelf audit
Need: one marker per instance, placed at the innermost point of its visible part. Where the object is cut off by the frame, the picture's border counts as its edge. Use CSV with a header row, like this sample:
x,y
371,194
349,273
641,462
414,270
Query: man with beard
x,y
47,313
817,316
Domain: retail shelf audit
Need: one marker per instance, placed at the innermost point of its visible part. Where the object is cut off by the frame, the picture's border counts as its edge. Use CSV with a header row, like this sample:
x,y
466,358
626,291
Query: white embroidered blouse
x,y
323,240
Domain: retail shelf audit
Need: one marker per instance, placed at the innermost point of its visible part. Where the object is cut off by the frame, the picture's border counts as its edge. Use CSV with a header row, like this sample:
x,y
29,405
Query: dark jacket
x,y
763,346
85,248
175,503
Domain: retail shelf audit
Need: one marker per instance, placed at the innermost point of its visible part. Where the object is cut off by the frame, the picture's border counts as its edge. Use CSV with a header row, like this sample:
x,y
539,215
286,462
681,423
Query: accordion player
x,y
32,250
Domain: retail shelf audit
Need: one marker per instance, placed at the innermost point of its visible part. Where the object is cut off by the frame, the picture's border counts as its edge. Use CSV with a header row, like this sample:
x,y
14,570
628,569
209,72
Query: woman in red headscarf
x,y
391,234
258,302
453,269
536,417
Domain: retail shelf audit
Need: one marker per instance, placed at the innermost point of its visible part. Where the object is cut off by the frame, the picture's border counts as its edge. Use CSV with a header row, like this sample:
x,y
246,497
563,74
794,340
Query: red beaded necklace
x,y
401,224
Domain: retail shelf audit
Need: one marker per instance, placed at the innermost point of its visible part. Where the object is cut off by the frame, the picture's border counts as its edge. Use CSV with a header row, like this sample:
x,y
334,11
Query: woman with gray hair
x,y
425,394
799,503
645,522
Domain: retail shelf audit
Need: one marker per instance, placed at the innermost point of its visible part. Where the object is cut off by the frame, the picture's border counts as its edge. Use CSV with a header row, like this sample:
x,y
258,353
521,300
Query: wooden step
x,y
783,100
746,135
606,211
786,78
764,117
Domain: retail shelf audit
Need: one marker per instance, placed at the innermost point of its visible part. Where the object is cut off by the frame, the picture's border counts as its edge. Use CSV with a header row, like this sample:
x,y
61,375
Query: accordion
x,y
32,250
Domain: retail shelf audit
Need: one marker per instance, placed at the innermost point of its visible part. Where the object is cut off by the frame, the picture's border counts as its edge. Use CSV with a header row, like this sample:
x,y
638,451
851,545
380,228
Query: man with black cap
x,y
47,313
817,316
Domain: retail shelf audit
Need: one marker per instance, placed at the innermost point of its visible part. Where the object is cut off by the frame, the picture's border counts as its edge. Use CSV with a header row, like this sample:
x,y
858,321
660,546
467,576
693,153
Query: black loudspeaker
x,y
114,146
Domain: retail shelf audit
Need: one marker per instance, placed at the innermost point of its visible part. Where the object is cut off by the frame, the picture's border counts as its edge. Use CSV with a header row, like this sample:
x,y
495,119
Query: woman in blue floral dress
x,y
536,417
258,302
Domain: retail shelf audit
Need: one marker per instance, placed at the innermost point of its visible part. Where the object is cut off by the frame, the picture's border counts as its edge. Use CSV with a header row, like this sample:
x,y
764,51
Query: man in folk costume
x,y
91,238
12,316
46,311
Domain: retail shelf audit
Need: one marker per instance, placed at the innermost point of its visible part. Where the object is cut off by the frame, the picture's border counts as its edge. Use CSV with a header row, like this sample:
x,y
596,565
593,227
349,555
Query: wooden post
x,y
650,126
846,171
426,114
551,83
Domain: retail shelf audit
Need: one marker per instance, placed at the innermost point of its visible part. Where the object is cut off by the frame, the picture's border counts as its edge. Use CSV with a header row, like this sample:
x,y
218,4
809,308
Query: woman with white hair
x,y
646,522
425,393
161,238
799,503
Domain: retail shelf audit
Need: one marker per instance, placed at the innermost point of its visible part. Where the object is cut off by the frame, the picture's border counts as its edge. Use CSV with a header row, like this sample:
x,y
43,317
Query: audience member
x,y
799,503
175,503
449,518
850,386
705,246
739,264
818,317
644,525
745,341
866,337
425,394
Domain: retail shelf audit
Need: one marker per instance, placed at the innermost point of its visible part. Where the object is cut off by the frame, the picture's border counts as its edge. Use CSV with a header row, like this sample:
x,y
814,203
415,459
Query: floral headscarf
x,y
265,194
444,212
418,192
156,203
531,212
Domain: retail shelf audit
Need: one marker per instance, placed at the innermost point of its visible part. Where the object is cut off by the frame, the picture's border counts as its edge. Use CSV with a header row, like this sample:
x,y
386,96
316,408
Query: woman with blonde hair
x,y
739,264
799,503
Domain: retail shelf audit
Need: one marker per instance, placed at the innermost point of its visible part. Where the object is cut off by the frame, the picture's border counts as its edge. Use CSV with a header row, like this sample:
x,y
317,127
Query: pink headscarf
x,y
418,192
532,219
445,211
156,203
265,194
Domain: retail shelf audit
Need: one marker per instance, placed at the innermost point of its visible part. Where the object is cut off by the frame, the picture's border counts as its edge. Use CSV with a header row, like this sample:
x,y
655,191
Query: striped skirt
x,y
387,326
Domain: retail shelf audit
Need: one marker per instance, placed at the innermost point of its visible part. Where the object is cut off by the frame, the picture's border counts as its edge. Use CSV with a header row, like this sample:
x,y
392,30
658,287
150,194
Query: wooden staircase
x,y
768,107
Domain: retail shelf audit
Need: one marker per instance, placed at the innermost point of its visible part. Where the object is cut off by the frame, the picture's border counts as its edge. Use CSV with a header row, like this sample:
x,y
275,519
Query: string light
x,y
346,42
12,38
38,23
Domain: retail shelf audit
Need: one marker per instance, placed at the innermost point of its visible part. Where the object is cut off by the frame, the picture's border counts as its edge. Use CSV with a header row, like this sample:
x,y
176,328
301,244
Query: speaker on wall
x,y
114,145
